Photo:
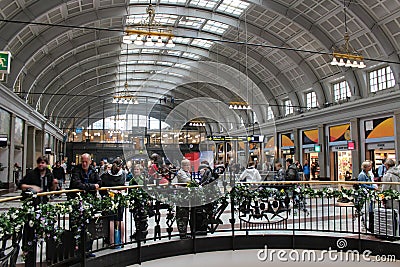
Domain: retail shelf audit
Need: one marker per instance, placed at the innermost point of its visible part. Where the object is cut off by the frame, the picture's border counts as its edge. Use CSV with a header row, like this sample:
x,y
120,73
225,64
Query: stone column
x,y
296,143
10,177
31,147
25,153
356,153
324,154
397,134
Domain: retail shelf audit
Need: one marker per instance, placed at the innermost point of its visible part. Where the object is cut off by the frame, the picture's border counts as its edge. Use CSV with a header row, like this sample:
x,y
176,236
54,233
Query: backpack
x,y
292,173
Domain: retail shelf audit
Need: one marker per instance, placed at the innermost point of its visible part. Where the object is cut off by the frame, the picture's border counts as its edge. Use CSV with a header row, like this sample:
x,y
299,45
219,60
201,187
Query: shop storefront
x,y
310,150
379,140
341,168
18,142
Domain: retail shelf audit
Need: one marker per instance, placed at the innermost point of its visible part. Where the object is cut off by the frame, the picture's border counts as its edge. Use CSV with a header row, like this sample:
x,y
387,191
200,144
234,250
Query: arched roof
x,y
68,55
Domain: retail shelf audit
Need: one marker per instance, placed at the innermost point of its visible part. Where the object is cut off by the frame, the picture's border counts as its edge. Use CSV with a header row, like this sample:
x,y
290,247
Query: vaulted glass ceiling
x,y
70,55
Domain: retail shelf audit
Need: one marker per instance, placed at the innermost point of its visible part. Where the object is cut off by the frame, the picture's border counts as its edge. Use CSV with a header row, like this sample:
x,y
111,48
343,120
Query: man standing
x,y
382,170
59,174
84,176
291,171
39,179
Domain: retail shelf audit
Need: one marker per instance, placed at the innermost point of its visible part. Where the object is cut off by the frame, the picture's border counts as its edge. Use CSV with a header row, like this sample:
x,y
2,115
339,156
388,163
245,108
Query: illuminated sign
x,y
317,148
351,145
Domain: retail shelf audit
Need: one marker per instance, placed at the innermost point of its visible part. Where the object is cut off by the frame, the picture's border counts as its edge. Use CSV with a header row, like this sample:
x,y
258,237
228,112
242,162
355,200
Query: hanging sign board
x,y
5,62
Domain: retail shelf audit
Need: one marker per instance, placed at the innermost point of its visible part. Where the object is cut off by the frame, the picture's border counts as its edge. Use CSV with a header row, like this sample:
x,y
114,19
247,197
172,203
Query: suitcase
x,y
386,223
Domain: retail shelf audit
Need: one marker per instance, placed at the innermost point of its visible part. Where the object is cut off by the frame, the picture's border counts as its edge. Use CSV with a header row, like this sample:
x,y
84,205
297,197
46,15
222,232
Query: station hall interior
x,y
311,80
226,82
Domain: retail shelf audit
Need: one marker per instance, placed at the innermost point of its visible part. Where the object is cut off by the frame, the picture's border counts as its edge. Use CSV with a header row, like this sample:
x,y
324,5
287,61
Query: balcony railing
x,y
67,232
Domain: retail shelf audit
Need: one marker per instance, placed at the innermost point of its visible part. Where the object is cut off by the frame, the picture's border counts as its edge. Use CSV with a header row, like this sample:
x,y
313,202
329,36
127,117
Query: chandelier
x,y
346,55
149,32
197,124
125,97
239,105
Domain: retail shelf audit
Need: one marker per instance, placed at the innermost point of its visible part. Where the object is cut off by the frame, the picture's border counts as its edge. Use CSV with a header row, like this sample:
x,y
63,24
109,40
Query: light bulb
x,y
348,63
230,107
159,42
334,62
170,44
355,64
361,65
149,41
138,40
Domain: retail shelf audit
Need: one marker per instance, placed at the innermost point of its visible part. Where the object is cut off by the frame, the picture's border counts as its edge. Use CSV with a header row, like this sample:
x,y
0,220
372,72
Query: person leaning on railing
x,y
182,213
365,176
392,175
84,177
114,177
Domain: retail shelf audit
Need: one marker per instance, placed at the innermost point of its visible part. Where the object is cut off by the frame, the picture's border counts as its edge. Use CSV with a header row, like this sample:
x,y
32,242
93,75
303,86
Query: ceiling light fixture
x,y
125,97
239,105
149,32
346,54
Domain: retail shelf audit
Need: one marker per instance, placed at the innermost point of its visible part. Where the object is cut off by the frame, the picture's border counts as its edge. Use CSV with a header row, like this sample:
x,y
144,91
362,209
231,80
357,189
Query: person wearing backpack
x,y
291,171
250,174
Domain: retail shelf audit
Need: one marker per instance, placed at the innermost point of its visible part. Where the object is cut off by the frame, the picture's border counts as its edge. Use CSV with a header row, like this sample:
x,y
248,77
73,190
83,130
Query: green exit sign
x,y
5,62
317,148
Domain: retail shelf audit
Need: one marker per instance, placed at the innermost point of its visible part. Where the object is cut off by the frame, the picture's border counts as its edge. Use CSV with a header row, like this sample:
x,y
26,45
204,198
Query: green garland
x,y
86,207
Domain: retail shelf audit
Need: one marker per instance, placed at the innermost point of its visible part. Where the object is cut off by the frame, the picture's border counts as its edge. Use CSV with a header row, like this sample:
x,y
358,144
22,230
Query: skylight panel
x,y
191,56
174,53
165,63
165,19
209,4
182,66
191,22
175,74
180,40
215,27
145,62
234,7
173,2
202,43
150,51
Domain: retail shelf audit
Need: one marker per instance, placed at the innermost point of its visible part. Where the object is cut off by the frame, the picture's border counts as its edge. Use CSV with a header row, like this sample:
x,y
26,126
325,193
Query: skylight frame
x,y
191,22
202,43
233,7
215,27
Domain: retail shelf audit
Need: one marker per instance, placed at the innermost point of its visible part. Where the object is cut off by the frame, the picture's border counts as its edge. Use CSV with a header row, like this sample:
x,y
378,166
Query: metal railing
x,y
246,209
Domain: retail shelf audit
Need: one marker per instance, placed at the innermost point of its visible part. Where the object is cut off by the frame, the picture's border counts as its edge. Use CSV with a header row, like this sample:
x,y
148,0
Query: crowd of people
x,y
89,176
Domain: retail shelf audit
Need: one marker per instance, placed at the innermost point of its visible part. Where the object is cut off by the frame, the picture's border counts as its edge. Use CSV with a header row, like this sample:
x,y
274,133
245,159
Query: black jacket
x,y
33,178
59,173
81,180
108,179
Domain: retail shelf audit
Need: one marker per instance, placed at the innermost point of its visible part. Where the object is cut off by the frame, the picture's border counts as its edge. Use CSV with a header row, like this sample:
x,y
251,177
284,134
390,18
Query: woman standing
x,y
392,175
138,178
114,177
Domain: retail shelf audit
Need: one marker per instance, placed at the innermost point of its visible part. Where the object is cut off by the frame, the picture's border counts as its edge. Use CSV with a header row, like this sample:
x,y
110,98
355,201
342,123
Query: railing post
x,y
29,241
83,246
232,219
